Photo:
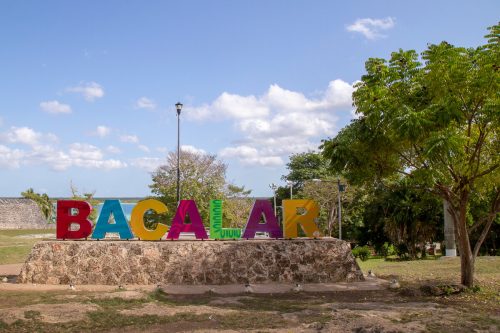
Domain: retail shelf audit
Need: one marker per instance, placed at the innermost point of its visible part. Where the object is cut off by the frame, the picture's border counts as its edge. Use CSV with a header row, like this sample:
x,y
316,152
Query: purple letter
x,y
262,207
187,207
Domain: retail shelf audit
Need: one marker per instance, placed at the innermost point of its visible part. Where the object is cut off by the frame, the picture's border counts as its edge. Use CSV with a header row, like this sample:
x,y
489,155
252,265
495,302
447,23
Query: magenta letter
x,y
271,226
178,225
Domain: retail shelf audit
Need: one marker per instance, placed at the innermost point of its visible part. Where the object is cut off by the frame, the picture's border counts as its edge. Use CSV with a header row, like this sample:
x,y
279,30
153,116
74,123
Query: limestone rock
x,y
190,262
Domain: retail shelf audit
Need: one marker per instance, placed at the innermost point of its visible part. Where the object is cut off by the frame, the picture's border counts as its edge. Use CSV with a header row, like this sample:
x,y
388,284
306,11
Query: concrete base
x,y
191,262
451,252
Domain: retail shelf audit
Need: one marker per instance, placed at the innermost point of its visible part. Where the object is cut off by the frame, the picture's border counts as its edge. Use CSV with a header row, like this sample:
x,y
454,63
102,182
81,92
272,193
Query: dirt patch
x,y
159,309
125,294
229,301
49,313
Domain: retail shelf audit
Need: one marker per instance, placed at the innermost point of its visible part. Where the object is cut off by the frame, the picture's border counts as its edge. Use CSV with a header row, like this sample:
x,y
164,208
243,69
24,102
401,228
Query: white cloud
x,y
251,156
144,148
129,138
85,151
149,164
55,107
192,149
43,150
162,150
113,150
10,158
27,136
278,123
102,131
145,103
230,106
371,28
90,90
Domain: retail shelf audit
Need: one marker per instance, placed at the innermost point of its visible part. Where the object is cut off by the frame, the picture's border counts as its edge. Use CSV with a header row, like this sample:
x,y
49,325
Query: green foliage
x,y
88,197
306,167
436,123
43,202
361,252
387,250
403,216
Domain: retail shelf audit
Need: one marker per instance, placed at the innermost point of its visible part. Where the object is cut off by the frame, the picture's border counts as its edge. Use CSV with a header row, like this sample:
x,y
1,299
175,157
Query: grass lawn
x,y
13,248
437,270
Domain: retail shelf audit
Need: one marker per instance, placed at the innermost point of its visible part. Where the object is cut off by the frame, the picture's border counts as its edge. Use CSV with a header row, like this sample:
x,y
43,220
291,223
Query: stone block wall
x,y
190,262
21,214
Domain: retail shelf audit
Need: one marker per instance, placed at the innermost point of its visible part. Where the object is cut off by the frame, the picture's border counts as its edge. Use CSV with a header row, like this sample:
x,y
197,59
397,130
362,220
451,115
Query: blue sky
x,y
87,88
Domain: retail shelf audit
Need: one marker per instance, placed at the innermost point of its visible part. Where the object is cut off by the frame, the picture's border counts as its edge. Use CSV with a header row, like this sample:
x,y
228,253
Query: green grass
x,y
15,250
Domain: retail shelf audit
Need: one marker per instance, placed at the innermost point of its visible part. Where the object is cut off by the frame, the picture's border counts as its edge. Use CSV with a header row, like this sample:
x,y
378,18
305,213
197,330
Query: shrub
x,y
387,250
361,252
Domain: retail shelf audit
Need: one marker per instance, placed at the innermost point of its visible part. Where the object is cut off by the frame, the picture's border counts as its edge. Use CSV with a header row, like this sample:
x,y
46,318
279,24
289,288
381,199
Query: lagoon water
x,y
127,209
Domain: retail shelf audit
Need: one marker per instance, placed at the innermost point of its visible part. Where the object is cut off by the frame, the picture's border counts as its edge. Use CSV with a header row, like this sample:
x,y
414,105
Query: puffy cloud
x,y
84,151
42,150
90,90
129,138
144,148
10,158
251,156
145,103
231,106
278,123
371,28
149,164
102,131
192,149
27,136
113,150
55,107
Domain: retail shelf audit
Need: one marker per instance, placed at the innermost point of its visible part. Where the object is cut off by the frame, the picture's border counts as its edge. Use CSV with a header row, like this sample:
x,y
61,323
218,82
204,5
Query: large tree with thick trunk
x,y
436,122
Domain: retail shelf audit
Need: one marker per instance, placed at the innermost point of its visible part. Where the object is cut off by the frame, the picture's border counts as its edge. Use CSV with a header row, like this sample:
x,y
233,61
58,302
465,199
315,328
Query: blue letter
x,y
120,226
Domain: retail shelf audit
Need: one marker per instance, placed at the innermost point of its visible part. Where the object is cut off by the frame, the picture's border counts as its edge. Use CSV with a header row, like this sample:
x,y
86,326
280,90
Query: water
x,y
127,209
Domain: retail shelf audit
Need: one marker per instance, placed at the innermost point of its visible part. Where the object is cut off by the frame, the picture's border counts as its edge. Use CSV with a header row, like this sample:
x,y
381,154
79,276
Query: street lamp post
x,y
290,183
274,187
178,107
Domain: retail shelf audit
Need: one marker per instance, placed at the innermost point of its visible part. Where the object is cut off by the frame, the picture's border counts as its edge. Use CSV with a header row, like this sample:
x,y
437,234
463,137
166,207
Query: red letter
x,y
65,219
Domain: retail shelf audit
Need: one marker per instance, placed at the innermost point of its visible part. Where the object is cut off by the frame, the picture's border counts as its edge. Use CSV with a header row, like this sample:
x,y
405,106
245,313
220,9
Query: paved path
x,y
11,269
268,288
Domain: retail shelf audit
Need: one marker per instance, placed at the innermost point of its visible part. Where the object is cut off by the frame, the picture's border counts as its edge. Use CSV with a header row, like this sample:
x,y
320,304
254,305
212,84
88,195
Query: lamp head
x,y
178,107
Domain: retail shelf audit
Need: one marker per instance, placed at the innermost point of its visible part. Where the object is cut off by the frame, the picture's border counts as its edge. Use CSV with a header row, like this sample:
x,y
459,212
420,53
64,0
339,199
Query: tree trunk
x,y
466,256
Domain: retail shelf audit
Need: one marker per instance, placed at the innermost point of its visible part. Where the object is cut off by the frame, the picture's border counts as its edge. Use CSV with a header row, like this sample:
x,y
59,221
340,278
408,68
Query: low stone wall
x,y
190,262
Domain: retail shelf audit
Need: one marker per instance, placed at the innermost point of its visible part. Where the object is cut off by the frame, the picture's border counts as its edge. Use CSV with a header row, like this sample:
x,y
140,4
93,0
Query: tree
x,y
436,123
43,202
88,197
408,217
202,178
237,206
312,179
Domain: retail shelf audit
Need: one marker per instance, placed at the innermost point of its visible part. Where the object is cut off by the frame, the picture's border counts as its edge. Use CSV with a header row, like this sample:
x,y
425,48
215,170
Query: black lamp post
x,y
178,107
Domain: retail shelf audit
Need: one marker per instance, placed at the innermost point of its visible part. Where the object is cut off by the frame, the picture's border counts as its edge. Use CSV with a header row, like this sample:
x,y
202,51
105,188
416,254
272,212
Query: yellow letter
x,y
302,212
137,220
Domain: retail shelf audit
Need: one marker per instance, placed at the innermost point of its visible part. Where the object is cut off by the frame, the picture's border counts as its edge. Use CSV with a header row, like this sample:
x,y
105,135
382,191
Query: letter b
x,y
65,219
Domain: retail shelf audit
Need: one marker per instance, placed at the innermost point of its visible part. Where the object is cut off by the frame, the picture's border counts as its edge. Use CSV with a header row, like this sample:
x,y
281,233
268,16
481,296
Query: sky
x,y
88,88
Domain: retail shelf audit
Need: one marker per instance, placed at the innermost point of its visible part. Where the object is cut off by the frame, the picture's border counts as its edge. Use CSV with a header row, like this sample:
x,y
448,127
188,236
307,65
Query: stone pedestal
x,y
190,262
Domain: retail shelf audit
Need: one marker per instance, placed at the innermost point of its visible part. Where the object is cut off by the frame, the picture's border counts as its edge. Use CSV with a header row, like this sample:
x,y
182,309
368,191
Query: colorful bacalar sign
x,y
297,213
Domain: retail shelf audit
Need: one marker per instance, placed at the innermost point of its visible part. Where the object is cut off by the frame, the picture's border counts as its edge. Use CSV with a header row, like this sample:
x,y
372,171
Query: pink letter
x,y
187,207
